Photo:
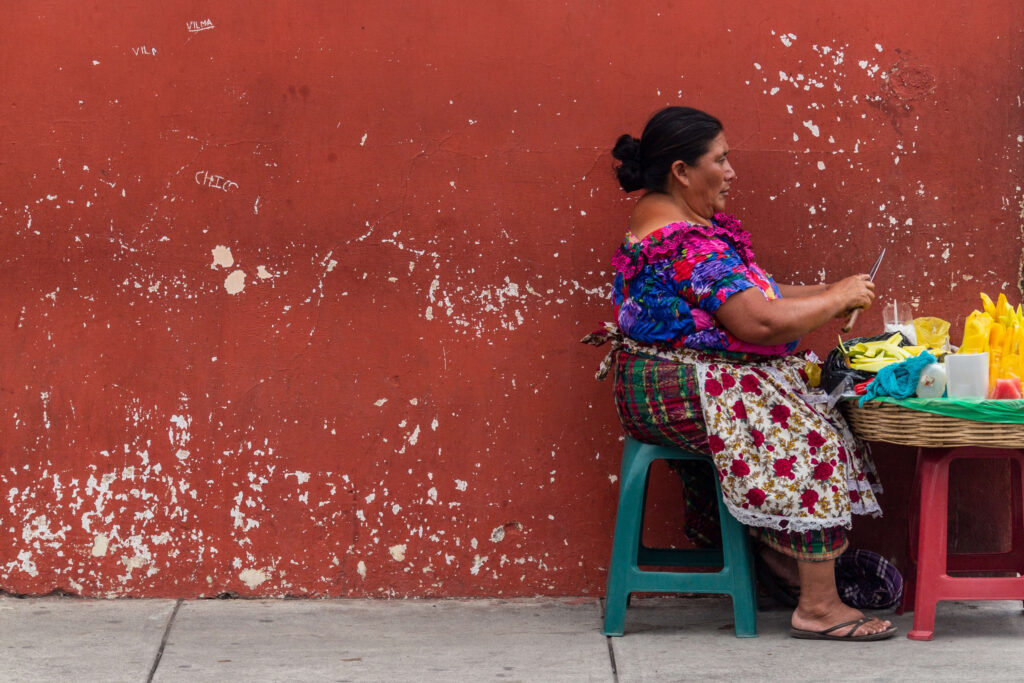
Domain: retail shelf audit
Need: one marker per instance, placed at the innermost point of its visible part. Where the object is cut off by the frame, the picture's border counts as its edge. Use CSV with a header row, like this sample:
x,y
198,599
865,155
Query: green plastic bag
x,y
976,409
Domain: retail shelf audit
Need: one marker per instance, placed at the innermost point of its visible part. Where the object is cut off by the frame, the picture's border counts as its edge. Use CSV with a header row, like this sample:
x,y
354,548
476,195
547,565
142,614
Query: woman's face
x,y
709,179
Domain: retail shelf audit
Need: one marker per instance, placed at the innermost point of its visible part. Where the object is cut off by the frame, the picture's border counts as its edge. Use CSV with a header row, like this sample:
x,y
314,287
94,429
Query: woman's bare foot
x,y
820,608
822,617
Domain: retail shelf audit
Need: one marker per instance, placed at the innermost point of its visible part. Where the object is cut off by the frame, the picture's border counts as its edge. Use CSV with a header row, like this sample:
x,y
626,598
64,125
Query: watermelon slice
x,y
1007,388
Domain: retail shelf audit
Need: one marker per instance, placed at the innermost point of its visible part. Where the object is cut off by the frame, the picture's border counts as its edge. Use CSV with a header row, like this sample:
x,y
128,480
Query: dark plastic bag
x,y
835,368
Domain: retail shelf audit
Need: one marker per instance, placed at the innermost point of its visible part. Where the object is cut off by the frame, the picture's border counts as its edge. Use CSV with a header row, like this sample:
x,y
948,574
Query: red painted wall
x,y
292,291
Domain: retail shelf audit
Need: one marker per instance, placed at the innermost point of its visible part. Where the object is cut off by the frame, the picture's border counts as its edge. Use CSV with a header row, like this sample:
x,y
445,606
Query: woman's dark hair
x,y
673,134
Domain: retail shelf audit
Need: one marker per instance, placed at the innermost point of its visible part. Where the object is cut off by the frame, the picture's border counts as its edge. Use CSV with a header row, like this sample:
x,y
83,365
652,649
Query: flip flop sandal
x,y
828,634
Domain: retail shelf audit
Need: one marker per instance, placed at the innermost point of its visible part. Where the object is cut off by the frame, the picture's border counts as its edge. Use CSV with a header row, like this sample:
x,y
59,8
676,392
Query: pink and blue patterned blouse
x,y
668,286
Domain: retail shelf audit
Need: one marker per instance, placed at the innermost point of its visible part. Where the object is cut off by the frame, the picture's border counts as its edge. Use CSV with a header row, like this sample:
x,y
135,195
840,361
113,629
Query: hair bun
x,y
630,172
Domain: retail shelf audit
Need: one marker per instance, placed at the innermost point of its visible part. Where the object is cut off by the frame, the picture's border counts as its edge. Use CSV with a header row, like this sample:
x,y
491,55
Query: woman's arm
x,y
795,291
749,316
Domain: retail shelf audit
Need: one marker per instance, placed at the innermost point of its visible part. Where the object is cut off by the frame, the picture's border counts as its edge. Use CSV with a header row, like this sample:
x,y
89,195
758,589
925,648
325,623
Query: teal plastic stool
x,y
735,579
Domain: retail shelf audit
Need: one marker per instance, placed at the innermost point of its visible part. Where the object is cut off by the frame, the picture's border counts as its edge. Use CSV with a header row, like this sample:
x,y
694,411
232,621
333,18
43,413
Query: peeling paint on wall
x,y
284,331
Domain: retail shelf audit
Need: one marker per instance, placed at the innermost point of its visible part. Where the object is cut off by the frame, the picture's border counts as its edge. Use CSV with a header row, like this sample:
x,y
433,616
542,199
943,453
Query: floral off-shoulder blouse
x,y
668,286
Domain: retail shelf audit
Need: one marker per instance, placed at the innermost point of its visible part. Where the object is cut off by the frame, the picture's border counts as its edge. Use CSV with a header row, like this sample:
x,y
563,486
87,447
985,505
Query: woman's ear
x,y
678,172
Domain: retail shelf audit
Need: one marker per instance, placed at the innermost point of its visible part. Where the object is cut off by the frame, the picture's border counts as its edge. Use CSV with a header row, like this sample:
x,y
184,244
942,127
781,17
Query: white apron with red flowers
x,y
782,463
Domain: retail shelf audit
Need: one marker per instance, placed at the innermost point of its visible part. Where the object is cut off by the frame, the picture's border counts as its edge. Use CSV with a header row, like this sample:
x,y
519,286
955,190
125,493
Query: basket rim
x,y
853,403
893,423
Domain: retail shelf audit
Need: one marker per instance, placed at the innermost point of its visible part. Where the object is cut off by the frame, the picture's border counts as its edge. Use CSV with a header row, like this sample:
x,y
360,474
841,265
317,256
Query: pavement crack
x,y
167,633
601,606
611,659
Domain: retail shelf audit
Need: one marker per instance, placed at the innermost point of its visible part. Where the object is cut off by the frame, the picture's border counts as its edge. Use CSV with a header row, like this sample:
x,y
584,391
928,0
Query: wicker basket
x,y
880,421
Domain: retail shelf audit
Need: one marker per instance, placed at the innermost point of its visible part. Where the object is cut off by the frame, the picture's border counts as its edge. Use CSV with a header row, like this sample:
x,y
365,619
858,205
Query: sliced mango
x,y
987,305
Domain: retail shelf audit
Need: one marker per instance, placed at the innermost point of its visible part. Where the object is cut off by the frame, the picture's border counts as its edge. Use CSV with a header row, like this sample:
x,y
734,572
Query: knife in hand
x,y
871,277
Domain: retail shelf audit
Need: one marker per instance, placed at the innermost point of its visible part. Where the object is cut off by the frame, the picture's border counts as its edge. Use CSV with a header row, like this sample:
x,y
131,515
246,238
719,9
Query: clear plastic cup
x,y
897,317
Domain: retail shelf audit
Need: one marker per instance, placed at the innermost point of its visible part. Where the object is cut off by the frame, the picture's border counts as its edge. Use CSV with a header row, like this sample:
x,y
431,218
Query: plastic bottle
x,y
933,381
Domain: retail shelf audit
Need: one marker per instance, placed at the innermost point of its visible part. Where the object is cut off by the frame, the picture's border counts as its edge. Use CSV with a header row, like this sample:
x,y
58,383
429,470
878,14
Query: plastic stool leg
x,y
626,543
932,542
737,560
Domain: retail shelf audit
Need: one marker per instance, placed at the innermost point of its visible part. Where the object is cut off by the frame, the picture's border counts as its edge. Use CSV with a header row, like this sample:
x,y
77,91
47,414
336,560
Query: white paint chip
x,y
252,577
99,545
235,282
262,273
135,562
222,257
361,569
397,552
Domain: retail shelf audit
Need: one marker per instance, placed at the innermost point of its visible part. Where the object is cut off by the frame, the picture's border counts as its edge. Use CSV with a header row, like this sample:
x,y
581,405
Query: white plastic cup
x,y
967,375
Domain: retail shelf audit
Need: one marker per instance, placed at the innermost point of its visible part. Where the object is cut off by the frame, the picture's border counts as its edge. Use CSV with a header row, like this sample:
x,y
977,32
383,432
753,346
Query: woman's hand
x,y
856,291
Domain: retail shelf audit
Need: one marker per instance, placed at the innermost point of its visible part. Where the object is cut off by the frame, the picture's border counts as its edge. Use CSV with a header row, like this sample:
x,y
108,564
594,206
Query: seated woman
x,y
704,363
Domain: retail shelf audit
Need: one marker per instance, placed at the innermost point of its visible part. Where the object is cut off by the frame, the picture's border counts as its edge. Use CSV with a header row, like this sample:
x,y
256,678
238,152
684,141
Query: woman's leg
x,y
819,606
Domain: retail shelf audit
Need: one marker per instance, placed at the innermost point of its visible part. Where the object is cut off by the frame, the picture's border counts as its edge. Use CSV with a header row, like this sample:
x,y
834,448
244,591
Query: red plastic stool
x,y
931,582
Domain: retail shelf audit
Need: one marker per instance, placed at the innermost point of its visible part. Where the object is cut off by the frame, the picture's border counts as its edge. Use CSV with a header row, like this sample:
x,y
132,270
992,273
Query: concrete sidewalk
x,y
64,639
